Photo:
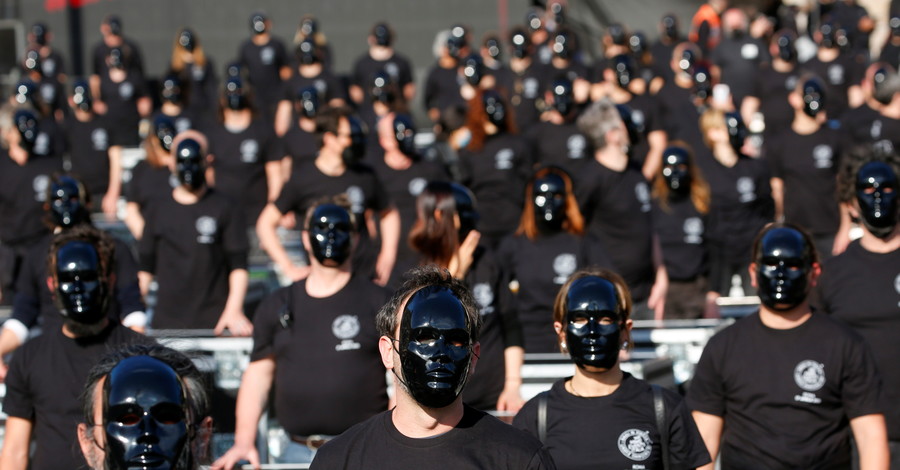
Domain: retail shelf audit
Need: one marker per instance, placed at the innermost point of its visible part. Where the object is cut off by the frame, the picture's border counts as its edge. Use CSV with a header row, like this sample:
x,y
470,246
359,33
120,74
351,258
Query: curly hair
x,y
856,158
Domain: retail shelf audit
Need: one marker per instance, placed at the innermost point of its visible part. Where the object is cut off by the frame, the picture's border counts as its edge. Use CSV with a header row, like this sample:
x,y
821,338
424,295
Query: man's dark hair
x,y
341,200
417,279
859,156
328,120
103,243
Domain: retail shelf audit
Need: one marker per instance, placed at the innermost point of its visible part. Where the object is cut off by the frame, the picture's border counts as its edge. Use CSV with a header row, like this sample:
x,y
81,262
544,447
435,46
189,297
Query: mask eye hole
x,y
426,337
458,339
167,413
125,415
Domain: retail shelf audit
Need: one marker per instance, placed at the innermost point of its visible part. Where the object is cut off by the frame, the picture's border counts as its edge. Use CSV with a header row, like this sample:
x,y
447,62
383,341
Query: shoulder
x,y
499,435
366,289
339,449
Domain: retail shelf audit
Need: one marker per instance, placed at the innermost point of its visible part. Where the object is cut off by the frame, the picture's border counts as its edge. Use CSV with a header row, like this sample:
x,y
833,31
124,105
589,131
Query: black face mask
x,y
164,128
145,417
687,61
330,234
737,131
27,93
234,95
520,44
473,69
495,109
115,26
702,83
33,62
623,66
186,40
563,46
67,203
40,34
786,50
782,268
550,202
81,293
306,52
563,97
189,166
382,34
813,98
81,96
670,27
435,347
405,133
617,34
637,43
492,45
677,170
116,59
593,323
876,193
829,36
27,125
258,24
308,102
634,129
456,41
354,153
309,26
465,209
171,90
383,89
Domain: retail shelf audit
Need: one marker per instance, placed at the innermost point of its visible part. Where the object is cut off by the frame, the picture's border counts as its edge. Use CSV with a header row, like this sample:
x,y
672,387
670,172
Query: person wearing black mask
x,y
804,161
195,69
739,56
442,84
556,140
195,244
381,56
266,62
122,97
310,72
679,105
45,404
430,342
300,140
173,96
786,387
24,178
145,406
840,71
151,179
337,169
525,87
776,80
860,286
330,314
602,415
566,62
53,64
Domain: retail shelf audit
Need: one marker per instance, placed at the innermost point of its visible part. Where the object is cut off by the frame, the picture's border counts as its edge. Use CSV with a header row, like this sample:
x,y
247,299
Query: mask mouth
x,y
148,459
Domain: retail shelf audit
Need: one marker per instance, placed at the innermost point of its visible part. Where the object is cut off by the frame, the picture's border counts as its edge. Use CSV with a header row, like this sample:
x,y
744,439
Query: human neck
x,y
170,109
519,65
415,421
330,163
447,62
785,320
237,120
782,66
310,70
881,245
381,53
324,281
587,383
612,157
68,333
804,125
82,115
260,39
828,54
185,196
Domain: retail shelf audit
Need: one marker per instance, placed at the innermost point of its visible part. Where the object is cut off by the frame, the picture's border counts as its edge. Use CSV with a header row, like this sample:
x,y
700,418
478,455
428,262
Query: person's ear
x,y
385,348
814,272
752,270
51,284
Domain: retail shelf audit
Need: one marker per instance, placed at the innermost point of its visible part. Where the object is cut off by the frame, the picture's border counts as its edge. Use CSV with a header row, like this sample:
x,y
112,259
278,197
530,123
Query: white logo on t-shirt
x,y
637,117
40,184
897,283
564,265
749,51
48,67
391,69
810,375
875,130
249,151
345,328
503,160
197,73
126,90
182,124
530,88
267,55
41,144
635,444
48,93
642,192
484,297
693,230
206,228
416,186
746,189
822,155
320,86
100,139
790,83
836,74
576,144
357,199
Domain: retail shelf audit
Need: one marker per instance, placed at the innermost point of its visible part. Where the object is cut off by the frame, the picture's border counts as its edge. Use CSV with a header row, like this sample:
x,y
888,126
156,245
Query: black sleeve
x,y
686,447
18,401
27,303
526,418
128,291
147,245
707,391
860,381
431,89
288,200
266,324
234,239
512,327
380,201
273,147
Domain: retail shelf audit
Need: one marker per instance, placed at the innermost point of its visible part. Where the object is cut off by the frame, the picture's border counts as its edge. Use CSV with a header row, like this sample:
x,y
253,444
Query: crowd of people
x,y
562,199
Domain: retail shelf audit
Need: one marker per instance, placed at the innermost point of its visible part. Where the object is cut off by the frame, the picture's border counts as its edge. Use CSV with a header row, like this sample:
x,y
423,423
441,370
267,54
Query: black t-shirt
x,y
862,289
240,160
442,88
366,68
890,54
149,184
122,114
772,88
328,371
808,165
574,71
53,94
524,89
838,75
865,125
679,115
645,115
786,395
202,88
299,145
496,174
327,85
45,379
263,65
101,51
739,60
192,249
23,192
616,206
615,431
88,144
34,300
479,441
662,58
562,145
681,230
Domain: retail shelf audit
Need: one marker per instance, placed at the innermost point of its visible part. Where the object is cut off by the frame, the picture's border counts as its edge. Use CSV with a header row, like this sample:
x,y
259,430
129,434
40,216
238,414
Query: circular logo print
x,y
635,444
345,327
206,225
810,375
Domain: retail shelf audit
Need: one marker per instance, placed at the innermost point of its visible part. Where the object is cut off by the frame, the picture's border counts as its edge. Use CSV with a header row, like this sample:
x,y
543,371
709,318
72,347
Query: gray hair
x,y
598,119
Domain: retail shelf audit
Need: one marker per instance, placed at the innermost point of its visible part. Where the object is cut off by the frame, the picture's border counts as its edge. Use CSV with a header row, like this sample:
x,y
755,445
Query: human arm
x,y
710,427
870,434
114,189
389,226
842,237
266,230
134,220
144,106
510,398
16,441
777,185
274,178
282,118
233,318
657,299
251,401
749,108
657,140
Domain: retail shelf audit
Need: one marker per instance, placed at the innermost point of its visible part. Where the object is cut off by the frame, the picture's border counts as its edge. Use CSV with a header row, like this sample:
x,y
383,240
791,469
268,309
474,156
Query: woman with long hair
x,y
151,177
681,204
444,234
196,72
544,251
602,417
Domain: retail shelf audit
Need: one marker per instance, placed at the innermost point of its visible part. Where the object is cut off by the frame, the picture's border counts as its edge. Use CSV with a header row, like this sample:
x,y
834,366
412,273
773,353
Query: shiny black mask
x,y
81,294
876,193
67,202
234,94
27,93
782,266
473,69
189,164
171,90
737,131
39,30
116,58
115,26
670,27
702,83
27,125
382,34
81,96
308,102
493,48
258,23
677,170
187,40
563,97
623,66
356,151
456,41
549,202
330,234
813,97
635,130
306,52
593,323
495,109
465,209
687,60
145,417
383,89
164,129
405,133
786,50
617,34
829,36
309,26
563,46
435,347
33,62
520,44
637,43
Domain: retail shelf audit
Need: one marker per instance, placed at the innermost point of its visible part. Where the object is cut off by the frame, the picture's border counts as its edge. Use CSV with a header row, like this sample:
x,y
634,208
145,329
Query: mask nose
x,y
149,428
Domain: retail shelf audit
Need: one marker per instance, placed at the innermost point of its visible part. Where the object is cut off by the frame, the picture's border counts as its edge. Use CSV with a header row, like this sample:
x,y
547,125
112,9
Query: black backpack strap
x,y
659,406
542,415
